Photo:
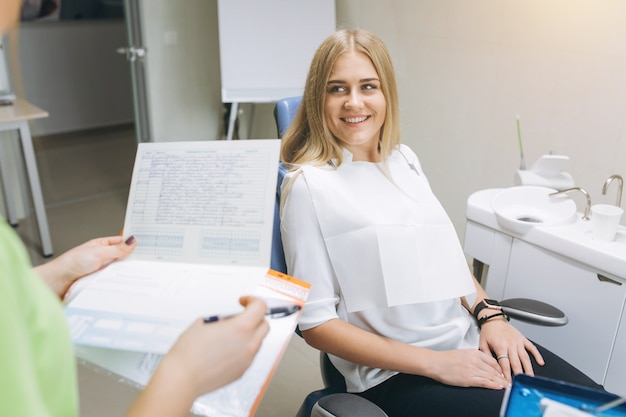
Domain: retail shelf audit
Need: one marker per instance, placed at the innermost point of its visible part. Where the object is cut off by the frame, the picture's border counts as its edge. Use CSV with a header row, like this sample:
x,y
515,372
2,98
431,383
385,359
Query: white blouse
x,y
380,253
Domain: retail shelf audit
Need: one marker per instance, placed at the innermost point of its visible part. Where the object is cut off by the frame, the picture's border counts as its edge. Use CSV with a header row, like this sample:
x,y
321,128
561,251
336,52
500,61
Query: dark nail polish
x,y
130,240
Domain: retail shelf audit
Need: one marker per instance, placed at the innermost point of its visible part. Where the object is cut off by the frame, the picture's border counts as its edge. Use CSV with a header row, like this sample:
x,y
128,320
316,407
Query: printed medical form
x,y
202,213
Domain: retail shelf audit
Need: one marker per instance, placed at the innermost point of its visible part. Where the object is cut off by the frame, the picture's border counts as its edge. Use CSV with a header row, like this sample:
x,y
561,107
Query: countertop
x,y
571,240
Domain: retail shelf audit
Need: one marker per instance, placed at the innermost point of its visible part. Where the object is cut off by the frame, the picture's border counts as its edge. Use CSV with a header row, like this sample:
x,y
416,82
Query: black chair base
x,y
346,405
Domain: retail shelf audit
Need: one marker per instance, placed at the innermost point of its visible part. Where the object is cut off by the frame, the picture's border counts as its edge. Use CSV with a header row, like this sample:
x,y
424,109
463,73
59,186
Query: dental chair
x,y
333,400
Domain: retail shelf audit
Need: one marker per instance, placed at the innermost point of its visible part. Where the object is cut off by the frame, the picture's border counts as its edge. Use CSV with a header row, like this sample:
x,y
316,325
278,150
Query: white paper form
x,y
209,201
144,306
239,398
236,399
202,213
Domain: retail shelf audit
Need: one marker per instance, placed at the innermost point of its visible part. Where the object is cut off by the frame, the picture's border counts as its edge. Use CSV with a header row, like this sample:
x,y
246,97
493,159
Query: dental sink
x,y
529,214
519,209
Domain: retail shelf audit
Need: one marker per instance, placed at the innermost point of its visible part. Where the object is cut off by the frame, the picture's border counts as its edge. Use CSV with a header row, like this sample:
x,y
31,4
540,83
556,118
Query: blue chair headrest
x,y
284,112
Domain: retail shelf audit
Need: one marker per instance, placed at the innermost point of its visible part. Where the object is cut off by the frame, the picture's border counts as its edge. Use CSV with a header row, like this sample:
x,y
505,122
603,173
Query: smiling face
x,y
355,106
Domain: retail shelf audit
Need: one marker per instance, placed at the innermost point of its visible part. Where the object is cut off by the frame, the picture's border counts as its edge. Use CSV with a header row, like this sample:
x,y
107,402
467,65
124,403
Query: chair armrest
x,y
533,311
346,405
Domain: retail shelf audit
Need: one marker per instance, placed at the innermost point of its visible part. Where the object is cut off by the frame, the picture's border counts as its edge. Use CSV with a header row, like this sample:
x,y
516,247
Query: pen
x,y
272,312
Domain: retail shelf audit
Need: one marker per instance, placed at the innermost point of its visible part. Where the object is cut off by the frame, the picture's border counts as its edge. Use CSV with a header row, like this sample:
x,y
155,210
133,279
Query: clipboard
x,y
524,396
203,216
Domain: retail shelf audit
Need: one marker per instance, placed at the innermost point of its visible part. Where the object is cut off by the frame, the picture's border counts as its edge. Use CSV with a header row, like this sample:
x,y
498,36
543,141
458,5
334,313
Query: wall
x,y
467,68
183,71
72,70
87,84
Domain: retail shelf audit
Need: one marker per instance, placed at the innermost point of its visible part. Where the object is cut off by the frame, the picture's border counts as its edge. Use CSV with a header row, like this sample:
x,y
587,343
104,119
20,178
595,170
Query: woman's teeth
x,y
355,119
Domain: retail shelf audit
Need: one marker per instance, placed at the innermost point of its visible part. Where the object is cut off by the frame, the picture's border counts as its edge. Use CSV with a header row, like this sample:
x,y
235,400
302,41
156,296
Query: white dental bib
x,y
390,242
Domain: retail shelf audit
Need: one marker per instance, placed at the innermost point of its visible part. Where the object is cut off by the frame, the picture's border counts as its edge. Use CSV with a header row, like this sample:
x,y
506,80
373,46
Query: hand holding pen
x,y
205,358
271,312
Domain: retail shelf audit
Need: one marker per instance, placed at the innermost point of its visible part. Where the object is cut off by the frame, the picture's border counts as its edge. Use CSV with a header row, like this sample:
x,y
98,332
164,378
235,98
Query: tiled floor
x,y
85,177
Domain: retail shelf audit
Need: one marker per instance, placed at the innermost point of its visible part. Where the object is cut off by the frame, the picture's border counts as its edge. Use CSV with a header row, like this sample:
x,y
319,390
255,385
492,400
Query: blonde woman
x,y
392,298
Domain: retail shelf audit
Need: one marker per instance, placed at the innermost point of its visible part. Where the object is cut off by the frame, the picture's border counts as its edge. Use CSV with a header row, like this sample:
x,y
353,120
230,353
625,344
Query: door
x,y
135,53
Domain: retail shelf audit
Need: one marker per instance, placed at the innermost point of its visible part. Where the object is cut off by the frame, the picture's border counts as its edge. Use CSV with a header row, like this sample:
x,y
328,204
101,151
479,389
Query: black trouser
x,y
417,396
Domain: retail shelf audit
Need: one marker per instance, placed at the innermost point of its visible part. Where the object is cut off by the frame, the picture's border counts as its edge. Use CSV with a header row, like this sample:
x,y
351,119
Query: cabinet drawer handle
x,y
607,279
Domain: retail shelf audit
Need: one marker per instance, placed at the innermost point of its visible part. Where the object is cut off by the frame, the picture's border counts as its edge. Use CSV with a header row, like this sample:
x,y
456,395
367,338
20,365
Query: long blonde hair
x,y
308,140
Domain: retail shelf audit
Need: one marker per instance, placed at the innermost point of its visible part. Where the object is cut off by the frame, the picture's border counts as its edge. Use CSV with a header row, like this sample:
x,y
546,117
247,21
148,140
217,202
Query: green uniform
x,y
37,366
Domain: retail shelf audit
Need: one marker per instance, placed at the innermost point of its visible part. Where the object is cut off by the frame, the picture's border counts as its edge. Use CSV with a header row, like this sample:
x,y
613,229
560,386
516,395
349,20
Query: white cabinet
x,y
594,339
616,375
492,249
592,302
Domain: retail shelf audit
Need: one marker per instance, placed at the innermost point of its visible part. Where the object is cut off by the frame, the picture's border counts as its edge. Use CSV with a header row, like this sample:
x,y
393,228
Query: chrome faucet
x,y
620,182
582,190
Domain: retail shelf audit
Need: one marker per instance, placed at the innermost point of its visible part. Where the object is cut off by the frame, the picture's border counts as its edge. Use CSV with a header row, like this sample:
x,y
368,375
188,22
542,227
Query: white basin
x,y
519,209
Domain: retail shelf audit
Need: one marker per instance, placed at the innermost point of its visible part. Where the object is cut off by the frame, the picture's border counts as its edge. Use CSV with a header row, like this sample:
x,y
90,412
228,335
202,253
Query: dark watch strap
x,y
486,303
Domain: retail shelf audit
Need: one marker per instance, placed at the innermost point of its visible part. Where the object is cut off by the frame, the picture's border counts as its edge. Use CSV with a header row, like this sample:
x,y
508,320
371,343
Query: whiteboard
x,y
266,46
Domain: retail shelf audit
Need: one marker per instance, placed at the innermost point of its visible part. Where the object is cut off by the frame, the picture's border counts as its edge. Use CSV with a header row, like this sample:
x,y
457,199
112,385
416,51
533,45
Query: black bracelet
x,y
484,319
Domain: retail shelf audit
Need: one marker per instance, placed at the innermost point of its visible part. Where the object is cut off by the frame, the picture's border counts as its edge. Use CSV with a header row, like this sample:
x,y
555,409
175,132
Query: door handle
x,y
602,278
132,53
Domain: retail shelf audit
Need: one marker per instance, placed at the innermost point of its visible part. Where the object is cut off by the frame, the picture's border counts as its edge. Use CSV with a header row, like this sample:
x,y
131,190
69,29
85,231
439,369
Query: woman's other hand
x,y
512,350
61,272
467,368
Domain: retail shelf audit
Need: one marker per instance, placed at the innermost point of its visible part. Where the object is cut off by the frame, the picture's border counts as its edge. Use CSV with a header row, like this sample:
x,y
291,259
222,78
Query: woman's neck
x,y
365,155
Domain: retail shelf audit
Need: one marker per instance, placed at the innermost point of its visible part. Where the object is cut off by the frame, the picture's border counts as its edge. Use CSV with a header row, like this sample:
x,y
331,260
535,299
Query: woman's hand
x,y
206,356
60,273
467,368
511,349
215,354
461,367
